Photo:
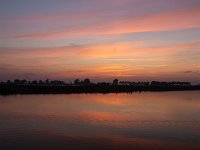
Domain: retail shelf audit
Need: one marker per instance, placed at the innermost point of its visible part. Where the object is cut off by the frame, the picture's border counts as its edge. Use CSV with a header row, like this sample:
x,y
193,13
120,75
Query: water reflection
x,y
167,120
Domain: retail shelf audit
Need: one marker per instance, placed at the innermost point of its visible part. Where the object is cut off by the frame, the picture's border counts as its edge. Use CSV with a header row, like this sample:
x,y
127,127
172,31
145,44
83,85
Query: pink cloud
x,y
158,22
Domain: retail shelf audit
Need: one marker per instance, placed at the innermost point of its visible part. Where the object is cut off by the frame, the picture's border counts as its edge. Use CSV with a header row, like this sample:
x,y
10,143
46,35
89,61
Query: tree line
x,y
87,81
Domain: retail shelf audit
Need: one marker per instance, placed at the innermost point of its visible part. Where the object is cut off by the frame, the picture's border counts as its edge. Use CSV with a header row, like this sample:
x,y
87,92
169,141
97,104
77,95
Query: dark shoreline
x,y
77,89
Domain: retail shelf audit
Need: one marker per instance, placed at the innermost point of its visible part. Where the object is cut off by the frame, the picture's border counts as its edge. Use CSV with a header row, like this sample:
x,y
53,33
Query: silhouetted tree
x,y
115,82
23,82
76,82
86,81
8,82
47,81
17,81
40,82
34,82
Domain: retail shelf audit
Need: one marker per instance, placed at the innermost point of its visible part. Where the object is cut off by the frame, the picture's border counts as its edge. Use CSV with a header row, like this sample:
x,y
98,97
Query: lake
x,y
149,120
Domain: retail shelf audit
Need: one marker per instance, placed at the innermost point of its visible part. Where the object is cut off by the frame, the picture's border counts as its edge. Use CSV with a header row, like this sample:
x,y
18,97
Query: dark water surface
x,y
151,120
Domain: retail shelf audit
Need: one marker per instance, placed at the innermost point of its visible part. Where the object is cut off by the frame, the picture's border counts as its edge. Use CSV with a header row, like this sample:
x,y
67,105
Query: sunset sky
x,y
100,39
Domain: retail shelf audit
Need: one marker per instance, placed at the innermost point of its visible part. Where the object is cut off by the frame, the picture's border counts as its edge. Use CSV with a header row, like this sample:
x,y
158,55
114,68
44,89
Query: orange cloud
x,y
113,50
104,61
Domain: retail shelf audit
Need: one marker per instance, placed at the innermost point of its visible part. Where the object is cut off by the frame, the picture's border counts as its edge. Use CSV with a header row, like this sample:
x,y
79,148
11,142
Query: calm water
x,y
165,120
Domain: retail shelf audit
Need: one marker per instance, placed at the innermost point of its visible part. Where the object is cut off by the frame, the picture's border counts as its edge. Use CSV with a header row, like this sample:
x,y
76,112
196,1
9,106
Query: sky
x,y
100,39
